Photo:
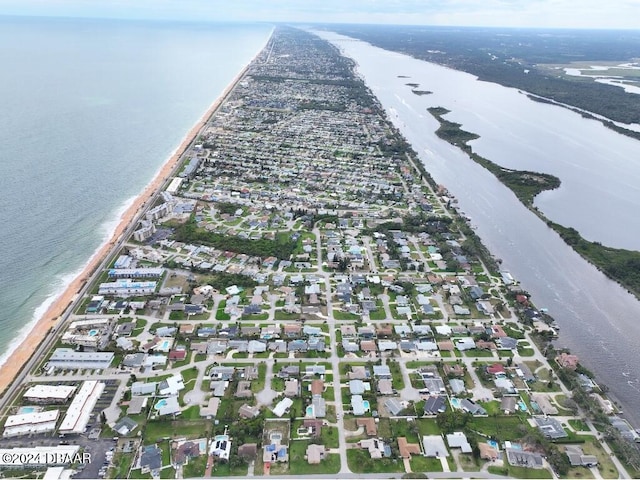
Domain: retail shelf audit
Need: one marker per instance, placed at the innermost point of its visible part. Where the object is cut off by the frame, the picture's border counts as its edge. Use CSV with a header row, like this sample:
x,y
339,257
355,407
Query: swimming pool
x,y
23,410
492,443
160,403
365,404
165,345
455,402
522,406
310,411
93,333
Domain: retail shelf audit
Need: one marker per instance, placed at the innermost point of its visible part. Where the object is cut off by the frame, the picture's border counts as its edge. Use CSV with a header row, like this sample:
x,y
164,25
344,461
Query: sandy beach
x,y
26,349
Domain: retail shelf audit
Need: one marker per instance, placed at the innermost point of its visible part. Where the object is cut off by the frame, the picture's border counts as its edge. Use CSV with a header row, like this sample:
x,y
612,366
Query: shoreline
x,y
52,317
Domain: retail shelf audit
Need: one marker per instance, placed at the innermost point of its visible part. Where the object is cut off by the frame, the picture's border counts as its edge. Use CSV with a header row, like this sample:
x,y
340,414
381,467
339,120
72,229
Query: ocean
x,y
91,110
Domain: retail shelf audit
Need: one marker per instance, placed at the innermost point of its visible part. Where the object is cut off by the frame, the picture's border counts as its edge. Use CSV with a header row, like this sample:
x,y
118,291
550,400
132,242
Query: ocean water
x,y
91,109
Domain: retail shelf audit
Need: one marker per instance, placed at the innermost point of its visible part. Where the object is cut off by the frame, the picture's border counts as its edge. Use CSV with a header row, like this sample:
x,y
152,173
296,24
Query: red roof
x,y
177,354
495,368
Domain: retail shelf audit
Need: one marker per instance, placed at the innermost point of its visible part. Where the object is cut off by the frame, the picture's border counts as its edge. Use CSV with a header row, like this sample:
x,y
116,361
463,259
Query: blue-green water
x,y
91,109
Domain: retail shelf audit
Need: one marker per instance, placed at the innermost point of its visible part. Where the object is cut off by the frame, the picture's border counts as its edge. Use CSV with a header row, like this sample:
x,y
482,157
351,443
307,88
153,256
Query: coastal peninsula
x,y
297,296
618,264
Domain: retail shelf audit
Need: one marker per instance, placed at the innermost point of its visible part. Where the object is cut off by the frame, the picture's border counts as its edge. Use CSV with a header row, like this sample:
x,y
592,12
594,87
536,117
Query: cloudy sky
x,y
514,13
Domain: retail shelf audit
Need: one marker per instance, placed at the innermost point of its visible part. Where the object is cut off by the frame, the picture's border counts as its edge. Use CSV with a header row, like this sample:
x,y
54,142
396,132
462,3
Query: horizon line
x,y
307,23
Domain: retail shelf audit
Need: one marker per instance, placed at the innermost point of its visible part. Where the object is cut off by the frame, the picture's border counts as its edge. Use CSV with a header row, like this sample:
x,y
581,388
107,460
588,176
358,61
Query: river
x,y
598,319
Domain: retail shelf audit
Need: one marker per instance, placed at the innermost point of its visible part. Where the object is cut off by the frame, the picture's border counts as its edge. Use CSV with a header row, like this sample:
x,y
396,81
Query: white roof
x,y
142,388
29,423
221,446
53,392
32,418
282,406
174,385
434,446
443,330
55,473
459,440
169,407
89,323
357,404
77,416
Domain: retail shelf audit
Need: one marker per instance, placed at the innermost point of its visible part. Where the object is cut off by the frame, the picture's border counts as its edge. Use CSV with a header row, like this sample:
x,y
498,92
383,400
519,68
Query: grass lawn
x,y
526,352
396,375
578,472
520,472
500,427
428,426
121,465
378,314
605,465
340,315
384,428
361,462
168,472
282,315
191,413
402,428
416,380
468,463
477,352
329,437
425,464
195,467
220,314
277,384
159,429
578,425
417,364
258,384
138,474
299,466
492,407
224,470
544,386
140,324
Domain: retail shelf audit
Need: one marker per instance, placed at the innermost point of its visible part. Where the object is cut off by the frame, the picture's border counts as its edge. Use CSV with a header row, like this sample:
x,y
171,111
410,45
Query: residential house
x,y
315,453
407,449
459,440
376,447
151,460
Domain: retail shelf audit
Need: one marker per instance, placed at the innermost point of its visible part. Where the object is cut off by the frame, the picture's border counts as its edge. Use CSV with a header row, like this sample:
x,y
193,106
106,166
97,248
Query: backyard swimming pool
x,y
160,403
365,404
455,403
